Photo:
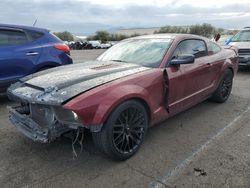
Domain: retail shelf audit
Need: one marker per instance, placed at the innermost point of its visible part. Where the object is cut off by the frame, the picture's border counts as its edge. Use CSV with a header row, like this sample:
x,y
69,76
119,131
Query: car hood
x,y
241,45
58,85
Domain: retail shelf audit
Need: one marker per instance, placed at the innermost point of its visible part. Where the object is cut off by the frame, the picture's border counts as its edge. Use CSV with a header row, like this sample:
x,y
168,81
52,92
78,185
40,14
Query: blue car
x,y
25,50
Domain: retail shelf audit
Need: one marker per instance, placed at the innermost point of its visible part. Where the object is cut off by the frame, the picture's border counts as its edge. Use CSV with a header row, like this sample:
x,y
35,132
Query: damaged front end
x,y
41,115
43,123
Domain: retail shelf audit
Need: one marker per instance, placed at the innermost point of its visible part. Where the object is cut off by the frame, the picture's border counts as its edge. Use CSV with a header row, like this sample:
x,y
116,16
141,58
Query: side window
x,y
11,37
215,48
195,47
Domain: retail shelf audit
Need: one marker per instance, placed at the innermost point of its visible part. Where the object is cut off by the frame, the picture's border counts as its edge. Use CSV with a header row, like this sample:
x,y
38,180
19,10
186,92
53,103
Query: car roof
x,y
245,29
10,26
169,36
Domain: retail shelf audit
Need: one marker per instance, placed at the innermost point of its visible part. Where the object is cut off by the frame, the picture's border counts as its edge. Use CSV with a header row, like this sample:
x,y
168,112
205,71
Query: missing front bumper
x,y
33,130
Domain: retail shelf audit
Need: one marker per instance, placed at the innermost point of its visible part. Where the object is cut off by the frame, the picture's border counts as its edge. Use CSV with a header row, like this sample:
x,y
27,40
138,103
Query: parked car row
x,y
88,45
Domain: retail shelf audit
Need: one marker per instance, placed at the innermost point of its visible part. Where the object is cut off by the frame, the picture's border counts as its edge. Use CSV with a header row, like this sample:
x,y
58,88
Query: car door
x,y
18,54
189,83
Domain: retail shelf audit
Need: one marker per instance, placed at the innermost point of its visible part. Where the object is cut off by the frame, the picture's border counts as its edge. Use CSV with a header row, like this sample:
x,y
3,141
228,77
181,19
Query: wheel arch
x,y
228,65
94,108
41,66
139,99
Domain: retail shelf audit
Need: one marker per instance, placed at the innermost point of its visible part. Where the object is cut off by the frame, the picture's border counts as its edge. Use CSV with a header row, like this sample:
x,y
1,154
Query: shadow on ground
x,y
4,99
244,70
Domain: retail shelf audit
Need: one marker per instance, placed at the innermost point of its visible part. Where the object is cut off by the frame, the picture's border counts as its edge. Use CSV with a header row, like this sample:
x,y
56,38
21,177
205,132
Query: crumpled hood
x,y
58,85
241,45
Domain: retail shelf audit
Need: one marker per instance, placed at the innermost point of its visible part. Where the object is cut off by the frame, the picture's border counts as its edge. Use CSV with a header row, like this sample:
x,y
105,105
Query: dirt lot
x,y
213,139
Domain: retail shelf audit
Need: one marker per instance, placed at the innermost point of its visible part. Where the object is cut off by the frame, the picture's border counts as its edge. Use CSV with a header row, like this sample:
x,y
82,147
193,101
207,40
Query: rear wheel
x,y
124,131
223,92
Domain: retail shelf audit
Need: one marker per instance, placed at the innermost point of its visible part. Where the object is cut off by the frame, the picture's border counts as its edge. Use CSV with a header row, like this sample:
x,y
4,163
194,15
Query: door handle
x,y
32,53
209,64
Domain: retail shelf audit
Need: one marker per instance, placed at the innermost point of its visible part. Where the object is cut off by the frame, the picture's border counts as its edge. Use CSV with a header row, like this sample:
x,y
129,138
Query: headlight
x,y
75,115
66,116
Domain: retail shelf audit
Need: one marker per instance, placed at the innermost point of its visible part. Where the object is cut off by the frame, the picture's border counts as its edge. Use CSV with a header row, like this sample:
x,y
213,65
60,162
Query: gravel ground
x,y
205,146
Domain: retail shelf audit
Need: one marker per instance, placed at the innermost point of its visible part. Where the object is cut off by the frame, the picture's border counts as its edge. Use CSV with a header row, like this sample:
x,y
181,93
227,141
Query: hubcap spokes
x,y
128,130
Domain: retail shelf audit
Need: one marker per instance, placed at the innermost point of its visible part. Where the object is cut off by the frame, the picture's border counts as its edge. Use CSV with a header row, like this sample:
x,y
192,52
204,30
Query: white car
x,y
105,45
96,44
242,41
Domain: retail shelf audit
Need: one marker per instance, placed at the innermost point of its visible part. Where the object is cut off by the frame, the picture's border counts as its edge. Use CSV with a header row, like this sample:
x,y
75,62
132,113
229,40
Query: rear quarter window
x,y
34,35
12,37
214,48
56,37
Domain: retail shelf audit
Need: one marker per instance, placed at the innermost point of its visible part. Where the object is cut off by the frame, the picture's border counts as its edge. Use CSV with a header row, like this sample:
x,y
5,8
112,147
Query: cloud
x,y
84,17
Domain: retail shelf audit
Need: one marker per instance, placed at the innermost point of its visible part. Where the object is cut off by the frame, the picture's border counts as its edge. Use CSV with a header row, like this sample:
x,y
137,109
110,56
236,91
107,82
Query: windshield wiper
x,y
240,40
118,60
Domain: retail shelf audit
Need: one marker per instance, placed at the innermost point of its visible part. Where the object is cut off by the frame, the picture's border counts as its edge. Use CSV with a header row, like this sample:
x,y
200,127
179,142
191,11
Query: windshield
x,y
145,52
242,36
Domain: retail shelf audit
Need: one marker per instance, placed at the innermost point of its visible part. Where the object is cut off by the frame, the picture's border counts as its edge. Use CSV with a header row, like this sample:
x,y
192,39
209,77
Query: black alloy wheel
x,y
128,130
124,131
224,89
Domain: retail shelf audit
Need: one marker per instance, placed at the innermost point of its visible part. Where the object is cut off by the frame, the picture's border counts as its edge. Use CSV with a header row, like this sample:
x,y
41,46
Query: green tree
x,y
65,36
206,30
103,36
172,29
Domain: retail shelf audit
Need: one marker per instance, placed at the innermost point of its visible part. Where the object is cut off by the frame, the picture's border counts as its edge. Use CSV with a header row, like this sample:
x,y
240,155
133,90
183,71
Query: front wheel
x,y
224,89
124,131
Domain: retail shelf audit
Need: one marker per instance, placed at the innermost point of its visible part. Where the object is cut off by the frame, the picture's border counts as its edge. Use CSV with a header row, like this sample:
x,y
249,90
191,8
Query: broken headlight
x,y
66,116
42,114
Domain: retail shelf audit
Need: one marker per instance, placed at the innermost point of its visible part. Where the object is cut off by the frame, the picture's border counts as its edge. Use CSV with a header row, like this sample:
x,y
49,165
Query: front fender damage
x,y
42,98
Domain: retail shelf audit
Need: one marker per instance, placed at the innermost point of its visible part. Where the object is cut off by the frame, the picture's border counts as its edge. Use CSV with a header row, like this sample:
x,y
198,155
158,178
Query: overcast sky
x,y
86,16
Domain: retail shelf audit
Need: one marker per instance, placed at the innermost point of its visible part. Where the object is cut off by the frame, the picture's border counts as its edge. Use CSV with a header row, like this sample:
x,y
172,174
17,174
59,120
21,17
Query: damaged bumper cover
x,y
39,122
28,127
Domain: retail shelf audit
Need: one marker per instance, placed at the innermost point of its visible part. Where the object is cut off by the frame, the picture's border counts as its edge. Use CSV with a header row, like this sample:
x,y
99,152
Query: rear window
x,y
11,37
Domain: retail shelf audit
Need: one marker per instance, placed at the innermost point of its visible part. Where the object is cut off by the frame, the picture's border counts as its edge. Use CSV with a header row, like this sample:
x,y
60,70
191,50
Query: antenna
x,y
34,24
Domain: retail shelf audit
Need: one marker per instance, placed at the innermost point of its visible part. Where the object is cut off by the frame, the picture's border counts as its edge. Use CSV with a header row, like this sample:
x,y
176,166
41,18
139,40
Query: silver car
x,y
242,41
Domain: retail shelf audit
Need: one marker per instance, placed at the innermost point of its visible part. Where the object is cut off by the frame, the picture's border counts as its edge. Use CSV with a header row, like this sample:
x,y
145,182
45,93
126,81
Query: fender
x,y
119,95
96,107
228,64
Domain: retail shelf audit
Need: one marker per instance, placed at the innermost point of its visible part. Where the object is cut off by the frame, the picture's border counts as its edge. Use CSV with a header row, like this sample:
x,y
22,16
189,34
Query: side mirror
x,y
183,59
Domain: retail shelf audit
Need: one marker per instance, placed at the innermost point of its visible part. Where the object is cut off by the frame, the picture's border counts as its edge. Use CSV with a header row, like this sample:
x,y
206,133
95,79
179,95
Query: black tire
x,y
124,131
224,89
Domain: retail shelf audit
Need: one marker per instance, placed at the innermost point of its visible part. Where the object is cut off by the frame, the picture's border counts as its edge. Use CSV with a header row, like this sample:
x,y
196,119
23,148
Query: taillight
x,y
63,47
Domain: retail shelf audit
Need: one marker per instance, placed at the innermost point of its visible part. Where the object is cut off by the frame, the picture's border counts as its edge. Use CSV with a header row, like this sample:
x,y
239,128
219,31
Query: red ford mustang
x,y
135,84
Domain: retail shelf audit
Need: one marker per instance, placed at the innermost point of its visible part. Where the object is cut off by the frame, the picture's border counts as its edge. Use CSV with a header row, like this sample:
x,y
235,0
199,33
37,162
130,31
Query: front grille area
x,y
244,51
42,115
